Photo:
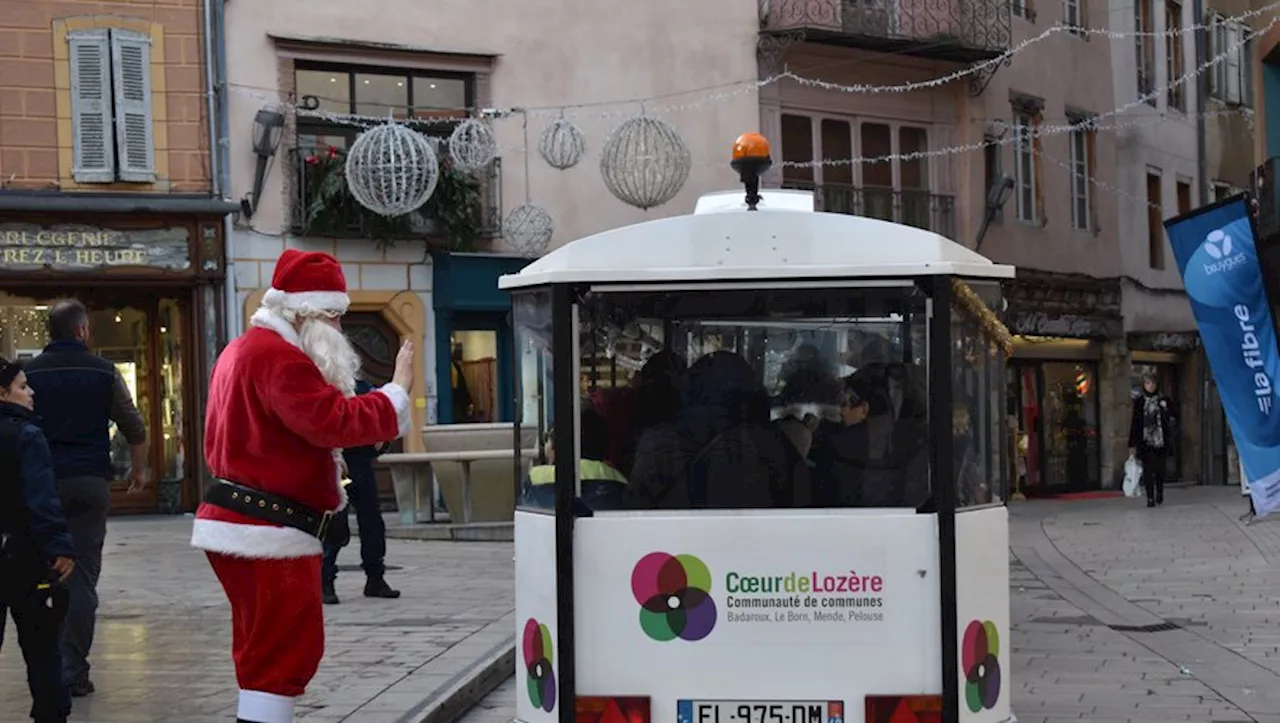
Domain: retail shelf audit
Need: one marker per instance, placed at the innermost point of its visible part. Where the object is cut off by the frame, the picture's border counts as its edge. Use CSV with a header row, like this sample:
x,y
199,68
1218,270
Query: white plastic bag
x,y
1132,477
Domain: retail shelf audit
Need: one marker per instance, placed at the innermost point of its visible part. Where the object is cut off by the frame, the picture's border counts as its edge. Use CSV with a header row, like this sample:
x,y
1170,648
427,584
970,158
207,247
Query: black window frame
x,y
434,127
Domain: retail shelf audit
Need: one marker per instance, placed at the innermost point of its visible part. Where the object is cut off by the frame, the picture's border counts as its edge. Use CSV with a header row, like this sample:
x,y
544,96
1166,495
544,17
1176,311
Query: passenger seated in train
x,y
840,450
654,396
719,452
602,485
897,430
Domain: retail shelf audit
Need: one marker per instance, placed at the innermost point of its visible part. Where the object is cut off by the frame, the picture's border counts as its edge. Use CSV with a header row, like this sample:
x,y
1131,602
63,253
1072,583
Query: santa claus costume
x,y
281,406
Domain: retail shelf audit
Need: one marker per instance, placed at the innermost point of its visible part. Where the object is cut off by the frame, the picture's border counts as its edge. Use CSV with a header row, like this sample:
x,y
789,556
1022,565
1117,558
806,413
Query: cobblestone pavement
x,y
162,649
1078,568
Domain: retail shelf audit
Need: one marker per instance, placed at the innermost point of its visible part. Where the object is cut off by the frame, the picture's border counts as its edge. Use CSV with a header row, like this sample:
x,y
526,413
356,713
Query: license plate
x,y
760,711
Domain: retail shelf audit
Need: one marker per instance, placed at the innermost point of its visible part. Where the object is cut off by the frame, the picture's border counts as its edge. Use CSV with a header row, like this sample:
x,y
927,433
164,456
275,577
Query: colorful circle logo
x,y
538,652
978,655
674,592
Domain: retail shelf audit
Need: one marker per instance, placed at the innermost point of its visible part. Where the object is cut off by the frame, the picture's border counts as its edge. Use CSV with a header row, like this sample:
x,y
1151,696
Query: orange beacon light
x,y
751,159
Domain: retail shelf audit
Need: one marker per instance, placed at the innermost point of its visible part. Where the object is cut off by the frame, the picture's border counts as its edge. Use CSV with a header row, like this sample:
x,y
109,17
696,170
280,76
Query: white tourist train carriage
x,y
786,615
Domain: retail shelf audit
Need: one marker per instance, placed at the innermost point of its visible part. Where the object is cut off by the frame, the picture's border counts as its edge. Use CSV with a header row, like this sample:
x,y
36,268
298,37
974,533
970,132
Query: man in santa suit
x,y
282,406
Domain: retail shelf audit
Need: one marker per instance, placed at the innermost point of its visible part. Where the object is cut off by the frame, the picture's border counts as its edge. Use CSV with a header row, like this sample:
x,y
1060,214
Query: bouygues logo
x,y
538,652
1218,247
674,592
979,658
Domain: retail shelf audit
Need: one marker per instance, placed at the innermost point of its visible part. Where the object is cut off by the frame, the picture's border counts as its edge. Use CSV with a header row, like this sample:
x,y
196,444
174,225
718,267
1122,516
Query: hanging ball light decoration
x,y
528,229
392,170
562,144
472,145
645,163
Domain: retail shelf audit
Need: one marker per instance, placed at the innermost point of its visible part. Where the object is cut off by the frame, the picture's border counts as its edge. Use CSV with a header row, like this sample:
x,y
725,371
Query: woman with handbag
x,y
36,554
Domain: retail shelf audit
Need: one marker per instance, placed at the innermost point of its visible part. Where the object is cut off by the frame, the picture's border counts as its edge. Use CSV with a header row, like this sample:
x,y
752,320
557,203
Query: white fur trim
x,y
265,318
308,302
266,542
400,400
265,707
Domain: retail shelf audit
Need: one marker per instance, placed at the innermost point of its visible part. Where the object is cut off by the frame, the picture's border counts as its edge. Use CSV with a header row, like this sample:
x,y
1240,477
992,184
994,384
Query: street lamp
x,y
997,195
268,128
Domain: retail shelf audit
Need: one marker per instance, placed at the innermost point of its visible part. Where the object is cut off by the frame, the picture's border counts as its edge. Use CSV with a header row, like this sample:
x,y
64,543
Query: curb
x,y
466,689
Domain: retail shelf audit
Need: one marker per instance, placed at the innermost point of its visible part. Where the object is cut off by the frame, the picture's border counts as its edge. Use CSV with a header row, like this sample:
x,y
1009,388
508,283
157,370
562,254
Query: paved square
x,y
163,643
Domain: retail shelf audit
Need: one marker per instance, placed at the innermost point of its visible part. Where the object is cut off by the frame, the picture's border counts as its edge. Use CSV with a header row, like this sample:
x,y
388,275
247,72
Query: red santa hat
x,y
308,283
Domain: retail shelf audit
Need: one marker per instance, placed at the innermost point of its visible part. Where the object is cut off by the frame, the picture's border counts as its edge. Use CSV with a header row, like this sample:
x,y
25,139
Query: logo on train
x,y
979,657
538,654
674,593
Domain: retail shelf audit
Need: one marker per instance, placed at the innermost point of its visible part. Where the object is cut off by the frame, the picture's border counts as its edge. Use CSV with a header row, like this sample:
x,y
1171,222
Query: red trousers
x,y
277,621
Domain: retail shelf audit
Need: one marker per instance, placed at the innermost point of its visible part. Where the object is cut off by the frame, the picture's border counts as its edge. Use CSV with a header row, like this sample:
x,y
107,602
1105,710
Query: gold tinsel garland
x,y
971,303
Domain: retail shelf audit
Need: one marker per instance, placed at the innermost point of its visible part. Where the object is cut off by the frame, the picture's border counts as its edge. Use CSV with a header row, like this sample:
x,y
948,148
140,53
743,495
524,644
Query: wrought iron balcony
x,y
462,210
964,31
921,209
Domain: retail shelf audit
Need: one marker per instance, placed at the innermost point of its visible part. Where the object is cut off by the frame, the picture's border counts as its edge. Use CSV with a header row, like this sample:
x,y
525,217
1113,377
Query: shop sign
x,y
1163,341
1039,323
28,247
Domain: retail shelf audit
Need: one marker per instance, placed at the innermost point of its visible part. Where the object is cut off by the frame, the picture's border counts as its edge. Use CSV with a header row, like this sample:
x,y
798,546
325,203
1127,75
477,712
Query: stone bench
x,y
412,472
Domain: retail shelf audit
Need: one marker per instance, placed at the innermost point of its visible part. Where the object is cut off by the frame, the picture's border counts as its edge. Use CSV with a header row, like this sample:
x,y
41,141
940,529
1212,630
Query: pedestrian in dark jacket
x,y
362,494
78,395
1151,436
36,553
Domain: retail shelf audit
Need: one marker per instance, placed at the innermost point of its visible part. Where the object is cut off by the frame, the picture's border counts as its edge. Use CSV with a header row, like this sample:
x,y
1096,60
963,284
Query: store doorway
x,y
480,368
1057,408
145,334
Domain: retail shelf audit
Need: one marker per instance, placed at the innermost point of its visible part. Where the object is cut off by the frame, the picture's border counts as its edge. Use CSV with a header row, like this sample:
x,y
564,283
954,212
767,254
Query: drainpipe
x,y
211,97
1202,85
232,314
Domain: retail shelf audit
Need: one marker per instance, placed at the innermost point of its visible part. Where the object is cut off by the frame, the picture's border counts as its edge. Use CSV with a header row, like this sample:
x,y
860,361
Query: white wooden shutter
x,y
1216,41
93,159
131,66
1233,51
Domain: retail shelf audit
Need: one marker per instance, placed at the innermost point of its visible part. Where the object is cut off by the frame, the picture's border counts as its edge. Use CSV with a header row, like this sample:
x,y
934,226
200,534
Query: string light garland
x,y
968,301
732,89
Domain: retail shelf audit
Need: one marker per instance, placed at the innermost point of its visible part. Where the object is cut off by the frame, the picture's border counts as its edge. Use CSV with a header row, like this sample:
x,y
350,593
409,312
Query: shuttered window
x,y
111,106
91,109
131,63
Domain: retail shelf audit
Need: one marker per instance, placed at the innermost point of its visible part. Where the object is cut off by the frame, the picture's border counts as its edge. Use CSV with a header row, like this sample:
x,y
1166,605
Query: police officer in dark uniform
x,y
36,552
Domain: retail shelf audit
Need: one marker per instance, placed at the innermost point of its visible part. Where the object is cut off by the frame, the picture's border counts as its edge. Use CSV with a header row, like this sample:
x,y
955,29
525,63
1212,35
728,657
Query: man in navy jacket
x,y
362,494
78,395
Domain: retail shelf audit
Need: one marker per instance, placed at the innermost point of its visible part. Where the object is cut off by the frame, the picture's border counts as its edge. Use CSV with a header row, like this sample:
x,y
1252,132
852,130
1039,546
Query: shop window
x,y
111,106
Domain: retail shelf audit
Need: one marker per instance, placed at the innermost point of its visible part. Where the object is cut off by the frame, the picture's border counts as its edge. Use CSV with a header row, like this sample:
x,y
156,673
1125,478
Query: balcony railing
x,y
921,209
958,30
322,206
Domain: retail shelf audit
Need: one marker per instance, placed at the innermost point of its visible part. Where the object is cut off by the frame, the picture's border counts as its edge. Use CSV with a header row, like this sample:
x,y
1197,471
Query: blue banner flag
x,y
1218,256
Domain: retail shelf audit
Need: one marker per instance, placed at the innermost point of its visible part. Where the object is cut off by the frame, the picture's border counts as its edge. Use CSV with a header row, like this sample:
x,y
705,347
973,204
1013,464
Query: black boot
x,y
327,592
376,586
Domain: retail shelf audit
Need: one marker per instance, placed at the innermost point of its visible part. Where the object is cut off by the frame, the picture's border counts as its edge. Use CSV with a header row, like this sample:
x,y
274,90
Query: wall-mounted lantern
x,y
268,128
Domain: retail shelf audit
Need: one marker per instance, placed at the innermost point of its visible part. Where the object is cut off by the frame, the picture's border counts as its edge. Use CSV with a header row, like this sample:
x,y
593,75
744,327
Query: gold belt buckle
x,y
325,519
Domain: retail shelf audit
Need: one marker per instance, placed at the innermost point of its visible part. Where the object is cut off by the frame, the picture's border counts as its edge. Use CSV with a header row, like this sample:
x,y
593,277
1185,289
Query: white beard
x,y
332,353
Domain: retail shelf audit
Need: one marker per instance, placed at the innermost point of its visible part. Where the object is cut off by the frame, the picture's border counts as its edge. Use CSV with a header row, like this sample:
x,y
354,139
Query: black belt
x,y
267,507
